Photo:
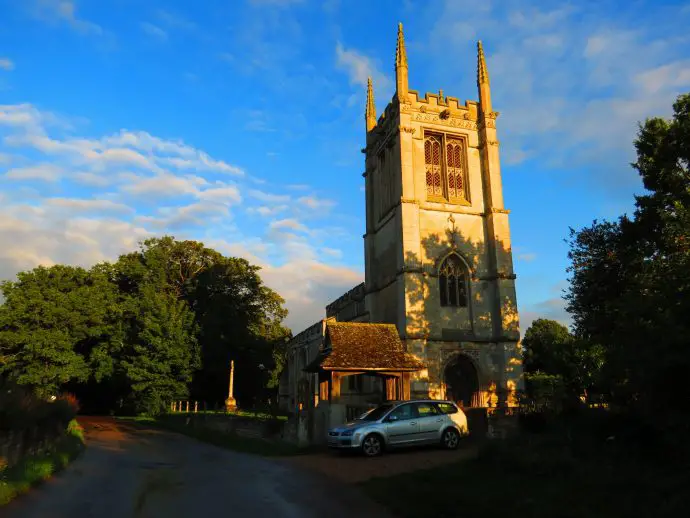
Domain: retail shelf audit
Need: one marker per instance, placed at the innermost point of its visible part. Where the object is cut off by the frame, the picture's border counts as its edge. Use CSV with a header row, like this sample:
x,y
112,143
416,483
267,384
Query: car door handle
x,y
439,420
413,423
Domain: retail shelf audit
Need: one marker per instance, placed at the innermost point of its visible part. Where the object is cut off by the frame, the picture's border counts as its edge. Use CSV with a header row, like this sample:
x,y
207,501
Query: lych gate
x,y
372,351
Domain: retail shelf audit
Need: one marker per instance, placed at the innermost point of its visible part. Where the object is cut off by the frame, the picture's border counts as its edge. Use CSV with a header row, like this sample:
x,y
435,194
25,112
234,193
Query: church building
x,y
436,316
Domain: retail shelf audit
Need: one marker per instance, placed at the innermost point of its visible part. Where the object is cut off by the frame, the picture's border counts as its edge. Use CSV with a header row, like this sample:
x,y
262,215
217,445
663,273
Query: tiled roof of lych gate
x,y
364,346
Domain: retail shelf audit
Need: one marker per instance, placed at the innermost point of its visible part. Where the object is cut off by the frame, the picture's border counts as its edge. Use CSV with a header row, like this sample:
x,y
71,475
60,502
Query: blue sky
x,y
240,123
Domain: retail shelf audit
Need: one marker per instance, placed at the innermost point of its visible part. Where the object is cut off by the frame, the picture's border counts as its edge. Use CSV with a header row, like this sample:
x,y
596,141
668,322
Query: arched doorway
x,y
462,381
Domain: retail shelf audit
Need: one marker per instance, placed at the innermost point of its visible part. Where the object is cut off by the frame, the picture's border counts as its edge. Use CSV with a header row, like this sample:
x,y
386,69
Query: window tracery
x,y
432,156
455,168
444,157
452,281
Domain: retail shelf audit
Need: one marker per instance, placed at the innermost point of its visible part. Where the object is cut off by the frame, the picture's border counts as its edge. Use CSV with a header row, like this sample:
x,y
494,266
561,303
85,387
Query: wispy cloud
x,y
154,31
577,76
314,203
174,20
6,64
257,120
133,185
268,197
359,67
45,172
64,11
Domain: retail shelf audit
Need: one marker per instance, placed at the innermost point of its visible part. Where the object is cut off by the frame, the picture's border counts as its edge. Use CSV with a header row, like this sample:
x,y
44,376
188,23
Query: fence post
x,y
187,406
196,406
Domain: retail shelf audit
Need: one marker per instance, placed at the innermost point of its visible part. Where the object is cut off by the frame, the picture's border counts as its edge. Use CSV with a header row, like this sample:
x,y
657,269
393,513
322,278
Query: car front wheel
x,y
372,445
450,439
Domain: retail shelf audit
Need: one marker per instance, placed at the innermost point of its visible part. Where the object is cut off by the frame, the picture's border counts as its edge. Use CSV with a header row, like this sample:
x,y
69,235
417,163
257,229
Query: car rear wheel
x,y
372,445
450,439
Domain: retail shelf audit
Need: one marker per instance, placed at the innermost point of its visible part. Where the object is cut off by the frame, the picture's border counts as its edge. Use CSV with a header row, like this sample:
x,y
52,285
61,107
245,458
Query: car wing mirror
x,y
392,418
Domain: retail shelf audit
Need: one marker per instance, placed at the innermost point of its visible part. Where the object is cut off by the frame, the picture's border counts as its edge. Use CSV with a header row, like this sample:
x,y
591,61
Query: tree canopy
x,y
630,281
160,323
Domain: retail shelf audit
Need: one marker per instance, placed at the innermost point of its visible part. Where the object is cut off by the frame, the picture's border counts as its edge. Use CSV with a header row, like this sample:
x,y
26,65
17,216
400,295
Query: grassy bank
x,y
34,469
229,441
537,479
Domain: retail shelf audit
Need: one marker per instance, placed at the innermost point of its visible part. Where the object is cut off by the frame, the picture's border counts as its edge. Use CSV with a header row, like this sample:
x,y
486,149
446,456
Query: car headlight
x,y
347,433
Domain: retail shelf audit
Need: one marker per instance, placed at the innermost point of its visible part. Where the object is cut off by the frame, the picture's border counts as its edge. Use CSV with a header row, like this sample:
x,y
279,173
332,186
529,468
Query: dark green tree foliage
x,y
159,324
161,352
237,316
557,361
630,282
58,325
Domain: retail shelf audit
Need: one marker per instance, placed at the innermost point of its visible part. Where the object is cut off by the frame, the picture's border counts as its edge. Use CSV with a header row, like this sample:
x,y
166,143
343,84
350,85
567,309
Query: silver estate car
x,y
402,423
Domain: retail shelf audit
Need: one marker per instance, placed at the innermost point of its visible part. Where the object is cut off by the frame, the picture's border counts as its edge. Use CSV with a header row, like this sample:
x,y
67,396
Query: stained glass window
x,y
452,280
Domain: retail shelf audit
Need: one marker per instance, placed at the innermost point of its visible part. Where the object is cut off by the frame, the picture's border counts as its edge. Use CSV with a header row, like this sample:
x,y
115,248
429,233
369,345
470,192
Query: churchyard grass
x,y
537,479
34,469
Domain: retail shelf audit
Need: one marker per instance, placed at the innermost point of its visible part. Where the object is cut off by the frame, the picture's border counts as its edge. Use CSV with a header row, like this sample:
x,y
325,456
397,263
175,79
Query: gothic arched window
x,y
452,282
432,157
455,168
444,157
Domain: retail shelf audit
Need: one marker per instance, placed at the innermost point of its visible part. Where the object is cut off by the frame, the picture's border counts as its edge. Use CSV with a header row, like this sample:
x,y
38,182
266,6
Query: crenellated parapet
x,y
352,300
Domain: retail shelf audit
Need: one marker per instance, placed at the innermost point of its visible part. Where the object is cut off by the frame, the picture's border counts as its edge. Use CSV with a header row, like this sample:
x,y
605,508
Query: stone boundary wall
x,y
268,428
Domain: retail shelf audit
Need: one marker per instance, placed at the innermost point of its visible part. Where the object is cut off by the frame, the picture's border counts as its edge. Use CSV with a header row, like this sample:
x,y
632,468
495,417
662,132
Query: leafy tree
x,y
158,323
237,316
630,284
161,351
548,347
57,325
550,350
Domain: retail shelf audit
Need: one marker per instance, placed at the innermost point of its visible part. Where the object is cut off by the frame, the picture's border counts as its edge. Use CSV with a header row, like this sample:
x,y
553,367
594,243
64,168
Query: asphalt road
x,y
127,471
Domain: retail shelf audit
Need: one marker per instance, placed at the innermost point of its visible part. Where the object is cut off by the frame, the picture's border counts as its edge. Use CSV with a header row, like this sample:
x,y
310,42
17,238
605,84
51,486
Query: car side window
x,y
427,409
404,412
447,408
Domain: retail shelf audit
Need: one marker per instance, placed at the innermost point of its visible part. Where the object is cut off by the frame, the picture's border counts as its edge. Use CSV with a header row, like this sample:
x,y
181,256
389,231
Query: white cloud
x,y
570,81
45,172
6,64
197,214
553,309
268,197
360,67
666,77
86,205
288,224
314,203
154,31
174,20
257,120
267,211
155,186
226,194
164,184
138,150
64,11
332,252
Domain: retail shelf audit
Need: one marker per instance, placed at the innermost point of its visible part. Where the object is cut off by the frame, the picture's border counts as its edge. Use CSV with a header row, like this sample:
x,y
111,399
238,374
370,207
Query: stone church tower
x,y
437,244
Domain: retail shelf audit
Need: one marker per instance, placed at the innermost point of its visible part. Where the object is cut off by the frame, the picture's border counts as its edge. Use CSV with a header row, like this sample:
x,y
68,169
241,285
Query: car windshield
x,y
375,413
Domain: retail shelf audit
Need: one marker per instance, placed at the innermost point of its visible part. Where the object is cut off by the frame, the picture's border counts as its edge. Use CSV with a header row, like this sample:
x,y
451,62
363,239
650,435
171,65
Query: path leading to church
x,y
128,471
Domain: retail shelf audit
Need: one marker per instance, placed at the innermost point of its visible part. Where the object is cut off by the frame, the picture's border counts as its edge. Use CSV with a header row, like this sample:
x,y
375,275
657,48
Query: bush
x,y
21,409
33,469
